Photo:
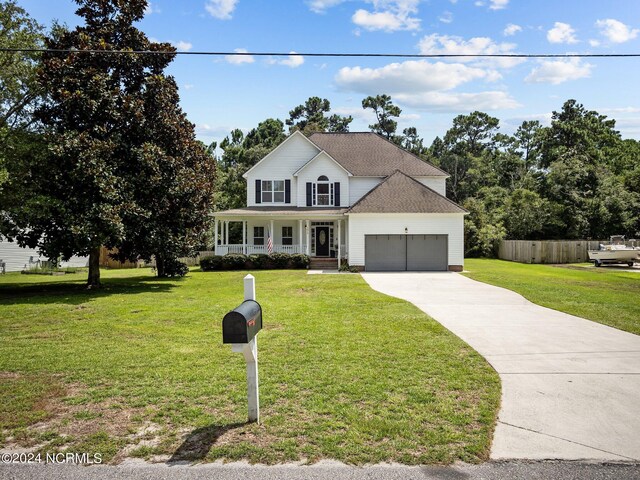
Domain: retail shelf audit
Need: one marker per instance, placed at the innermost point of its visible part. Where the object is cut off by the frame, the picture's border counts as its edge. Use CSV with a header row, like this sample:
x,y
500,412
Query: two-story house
x,y
354,196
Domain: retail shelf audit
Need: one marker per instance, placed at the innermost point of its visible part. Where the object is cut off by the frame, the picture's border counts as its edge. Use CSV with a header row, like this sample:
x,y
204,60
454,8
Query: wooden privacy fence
x,y
547,251
107,261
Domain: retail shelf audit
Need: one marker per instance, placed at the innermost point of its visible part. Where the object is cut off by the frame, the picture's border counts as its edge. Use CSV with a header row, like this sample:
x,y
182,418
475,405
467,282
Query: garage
x,y
413,253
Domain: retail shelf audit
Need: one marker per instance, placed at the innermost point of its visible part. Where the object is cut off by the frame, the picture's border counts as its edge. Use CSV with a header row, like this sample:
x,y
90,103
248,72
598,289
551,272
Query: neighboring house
x,y
16,258
354,196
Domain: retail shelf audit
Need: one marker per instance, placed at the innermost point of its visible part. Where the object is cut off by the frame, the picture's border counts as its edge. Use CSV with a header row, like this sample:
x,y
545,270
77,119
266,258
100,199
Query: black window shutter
x,y
309,195
287,191
336,193
258,191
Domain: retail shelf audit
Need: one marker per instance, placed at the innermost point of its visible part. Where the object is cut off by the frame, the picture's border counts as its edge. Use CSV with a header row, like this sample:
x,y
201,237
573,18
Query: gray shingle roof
x,y
369,154
400,193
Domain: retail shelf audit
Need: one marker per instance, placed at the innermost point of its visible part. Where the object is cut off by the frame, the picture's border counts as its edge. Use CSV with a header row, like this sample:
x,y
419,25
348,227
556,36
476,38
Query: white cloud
x,y
562,33
629,127
292,61
386,21
616,31
221,9
446,17
422,84
320,6
493,4
435,44
387,15
188,86
412,76
239,59
511,29
182,46
457,102
211,131
594,43
498,4
559,71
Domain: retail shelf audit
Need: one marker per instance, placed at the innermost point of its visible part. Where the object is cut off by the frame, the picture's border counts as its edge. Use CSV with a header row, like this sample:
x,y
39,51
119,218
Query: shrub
x,y
234,261
175,268
345,267
259,261
208,264
237,261
300,260
279,260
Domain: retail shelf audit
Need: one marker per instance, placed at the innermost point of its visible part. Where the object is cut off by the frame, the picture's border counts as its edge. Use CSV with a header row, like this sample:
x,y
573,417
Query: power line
x,y
316,54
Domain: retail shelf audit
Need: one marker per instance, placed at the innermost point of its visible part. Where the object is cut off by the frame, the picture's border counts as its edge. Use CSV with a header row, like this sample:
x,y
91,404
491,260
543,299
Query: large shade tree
x,y
123,168
20,136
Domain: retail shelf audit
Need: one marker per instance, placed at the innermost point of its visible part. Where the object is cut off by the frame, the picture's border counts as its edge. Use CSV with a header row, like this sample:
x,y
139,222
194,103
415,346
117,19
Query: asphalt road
x,y
486,471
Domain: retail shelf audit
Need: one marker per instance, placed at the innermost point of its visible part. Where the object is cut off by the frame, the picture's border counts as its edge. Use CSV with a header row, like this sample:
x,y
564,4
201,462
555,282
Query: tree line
x,y
574,179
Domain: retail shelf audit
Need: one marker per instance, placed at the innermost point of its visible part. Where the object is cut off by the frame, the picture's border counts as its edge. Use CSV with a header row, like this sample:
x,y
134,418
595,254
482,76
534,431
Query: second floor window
x,y
323,191
272,191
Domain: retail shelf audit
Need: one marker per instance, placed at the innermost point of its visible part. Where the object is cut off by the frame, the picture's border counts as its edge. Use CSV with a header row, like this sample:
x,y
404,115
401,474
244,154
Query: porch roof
x,y
281,211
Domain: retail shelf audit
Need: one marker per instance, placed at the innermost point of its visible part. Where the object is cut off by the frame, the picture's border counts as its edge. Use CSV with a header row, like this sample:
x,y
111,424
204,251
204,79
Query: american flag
x,y
269,242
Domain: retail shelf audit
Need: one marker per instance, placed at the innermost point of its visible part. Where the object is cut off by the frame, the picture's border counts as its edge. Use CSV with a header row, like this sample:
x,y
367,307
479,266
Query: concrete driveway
x,y
570,387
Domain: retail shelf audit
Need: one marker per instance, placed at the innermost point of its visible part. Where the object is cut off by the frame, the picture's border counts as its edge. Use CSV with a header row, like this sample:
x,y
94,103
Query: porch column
x,y
215,238
226,232
308,224
346,236
300,235
244,237
273,236
339,241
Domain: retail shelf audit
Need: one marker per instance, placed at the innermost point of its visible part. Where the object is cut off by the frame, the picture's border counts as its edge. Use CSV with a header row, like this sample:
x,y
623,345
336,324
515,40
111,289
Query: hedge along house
x,y
353,196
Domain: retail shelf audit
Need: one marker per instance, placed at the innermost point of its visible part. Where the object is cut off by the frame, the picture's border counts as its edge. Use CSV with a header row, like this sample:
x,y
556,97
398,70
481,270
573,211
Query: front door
x,y
322,241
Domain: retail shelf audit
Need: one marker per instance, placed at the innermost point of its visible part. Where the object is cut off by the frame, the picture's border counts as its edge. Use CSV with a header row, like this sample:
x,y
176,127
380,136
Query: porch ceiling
x,y
284,212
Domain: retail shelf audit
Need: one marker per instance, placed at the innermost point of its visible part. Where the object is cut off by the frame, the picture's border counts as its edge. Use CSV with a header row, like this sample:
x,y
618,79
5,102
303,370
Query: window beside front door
x,y
287,235
273,191
258,235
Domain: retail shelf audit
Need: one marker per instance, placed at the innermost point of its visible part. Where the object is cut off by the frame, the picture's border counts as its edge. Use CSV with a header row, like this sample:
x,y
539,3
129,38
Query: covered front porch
x,y
319,234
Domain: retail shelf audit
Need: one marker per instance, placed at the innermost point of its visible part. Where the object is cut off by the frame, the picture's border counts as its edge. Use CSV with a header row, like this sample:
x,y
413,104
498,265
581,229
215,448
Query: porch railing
x,y
254,249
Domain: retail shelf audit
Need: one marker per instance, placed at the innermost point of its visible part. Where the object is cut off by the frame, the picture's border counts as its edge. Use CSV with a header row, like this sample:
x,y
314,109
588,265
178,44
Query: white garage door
x,y
414,253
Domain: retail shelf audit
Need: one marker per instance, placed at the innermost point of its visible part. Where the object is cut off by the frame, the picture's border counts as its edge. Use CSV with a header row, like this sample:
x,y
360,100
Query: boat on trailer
x,y
616,252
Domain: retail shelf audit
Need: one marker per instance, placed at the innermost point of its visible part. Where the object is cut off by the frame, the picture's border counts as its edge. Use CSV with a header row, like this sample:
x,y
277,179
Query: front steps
x,y
323,263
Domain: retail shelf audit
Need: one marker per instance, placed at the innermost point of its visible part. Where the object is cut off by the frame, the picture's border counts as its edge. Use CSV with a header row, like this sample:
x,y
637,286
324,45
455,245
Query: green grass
x,y
604,295
138,368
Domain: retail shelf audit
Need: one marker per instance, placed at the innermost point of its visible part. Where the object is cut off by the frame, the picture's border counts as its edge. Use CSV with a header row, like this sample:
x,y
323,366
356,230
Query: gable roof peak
x,y
369,154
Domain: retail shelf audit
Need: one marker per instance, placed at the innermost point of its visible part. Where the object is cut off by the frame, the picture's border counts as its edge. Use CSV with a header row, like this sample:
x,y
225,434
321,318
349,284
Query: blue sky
x,y
222,93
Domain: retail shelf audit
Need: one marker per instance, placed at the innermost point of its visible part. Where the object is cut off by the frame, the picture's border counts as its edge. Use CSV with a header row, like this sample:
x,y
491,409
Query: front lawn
x,y
139,369
605,295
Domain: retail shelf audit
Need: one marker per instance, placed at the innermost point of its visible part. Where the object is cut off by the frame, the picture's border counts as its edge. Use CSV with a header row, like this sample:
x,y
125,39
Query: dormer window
x,y
323,192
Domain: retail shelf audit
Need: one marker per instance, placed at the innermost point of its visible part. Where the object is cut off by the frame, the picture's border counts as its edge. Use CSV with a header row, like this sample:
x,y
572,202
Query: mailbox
x,y
243,323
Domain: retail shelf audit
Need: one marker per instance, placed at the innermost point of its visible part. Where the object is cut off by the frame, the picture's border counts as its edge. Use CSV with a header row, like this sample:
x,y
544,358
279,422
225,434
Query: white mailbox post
x,y
250,352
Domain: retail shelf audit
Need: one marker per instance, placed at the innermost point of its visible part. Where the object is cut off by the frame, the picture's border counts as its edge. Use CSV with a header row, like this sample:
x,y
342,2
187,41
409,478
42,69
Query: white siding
x,y
439,184
360,186
322,165
395,224
277,230
281,164
17,258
